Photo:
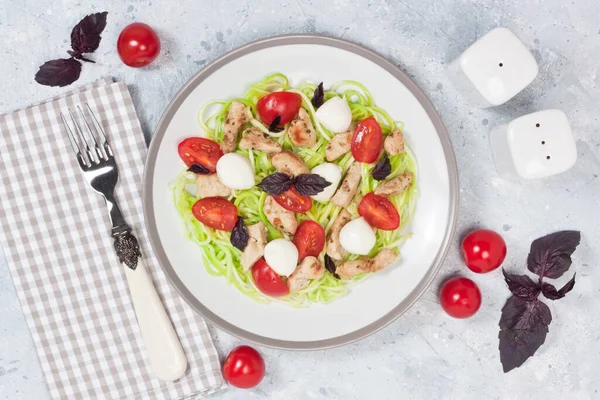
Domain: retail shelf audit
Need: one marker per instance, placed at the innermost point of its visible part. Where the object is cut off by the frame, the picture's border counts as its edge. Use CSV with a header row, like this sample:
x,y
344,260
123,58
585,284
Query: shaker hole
x,y
543,142
537,125
501,65
547,157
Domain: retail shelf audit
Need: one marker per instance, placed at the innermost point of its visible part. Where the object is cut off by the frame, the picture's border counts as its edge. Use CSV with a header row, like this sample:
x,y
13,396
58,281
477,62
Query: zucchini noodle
x,y
222,259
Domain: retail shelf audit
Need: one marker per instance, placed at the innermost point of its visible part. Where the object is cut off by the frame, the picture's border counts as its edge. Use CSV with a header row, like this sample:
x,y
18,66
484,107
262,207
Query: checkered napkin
x,y
55,234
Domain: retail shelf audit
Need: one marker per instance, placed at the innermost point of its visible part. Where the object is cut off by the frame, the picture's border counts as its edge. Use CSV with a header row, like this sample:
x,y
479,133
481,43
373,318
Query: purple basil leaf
x,y
382,169
310,184
330,266
550,292
60,72
523,314
516,346
85,36
274,126
521,286
523,329
550,256
239,235
276,183
318,96
199,169
568,286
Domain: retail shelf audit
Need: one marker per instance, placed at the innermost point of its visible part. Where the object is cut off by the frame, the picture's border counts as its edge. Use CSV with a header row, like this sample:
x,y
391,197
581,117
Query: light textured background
x,y
424,354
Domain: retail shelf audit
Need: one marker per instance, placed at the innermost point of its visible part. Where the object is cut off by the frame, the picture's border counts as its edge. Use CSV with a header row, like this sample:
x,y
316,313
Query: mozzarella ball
x,y
331,173
282,256
235,172
335,114
357,237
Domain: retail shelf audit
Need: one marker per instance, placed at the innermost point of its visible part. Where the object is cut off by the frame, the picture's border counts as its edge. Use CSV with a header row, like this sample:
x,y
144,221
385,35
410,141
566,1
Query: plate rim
x,y
275,41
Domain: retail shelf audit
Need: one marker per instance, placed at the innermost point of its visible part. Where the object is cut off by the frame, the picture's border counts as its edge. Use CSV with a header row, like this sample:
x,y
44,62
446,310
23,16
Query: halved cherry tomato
x,y
267,280
379,212
201,151
367,141
309,239
285,104
293,201
216,212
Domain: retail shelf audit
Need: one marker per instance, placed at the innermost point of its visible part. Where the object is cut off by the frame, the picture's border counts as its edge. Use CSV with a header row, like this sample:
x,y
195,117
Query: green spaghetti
x,y
222,259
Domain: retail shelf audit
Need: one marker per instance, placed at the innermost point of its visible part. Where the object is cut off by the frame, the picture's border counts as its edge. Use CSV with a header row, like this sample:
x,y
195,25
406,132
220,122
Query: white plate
x,y
373,303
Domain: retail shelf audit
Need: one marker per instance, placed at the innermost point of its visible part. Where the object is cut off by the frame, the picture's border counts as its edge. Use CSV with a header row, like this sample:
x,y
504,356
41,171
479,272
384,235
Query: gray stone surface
x,y
424,354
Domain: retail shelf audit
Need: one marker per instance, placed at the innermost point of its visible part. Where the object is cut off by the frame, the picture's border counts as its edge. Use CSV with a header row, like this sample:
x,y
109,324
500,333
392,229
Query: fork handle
x,y
163,349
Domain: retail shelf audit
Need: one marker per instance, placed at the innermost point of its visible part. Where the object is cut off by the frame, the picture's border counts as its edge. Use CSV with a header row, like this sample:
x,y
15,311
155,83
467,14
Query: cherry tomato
x,y
293,201
309,239
460,297
216,212
267,280
200,150
367,141
138,45
285,104
244,367
483,250
379,212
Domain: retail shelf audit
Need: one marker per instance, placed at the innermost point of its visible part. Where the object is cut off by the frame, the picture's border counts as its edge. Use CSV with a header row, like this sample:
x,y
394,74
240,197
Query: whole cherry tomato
x,y
138,45
460,297
244,367
483,250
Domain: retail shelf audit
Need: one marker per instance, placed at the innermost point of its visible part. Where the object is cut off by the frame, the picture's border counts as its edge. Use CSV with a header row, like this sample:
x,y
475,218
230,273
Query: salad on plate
x,y
297,193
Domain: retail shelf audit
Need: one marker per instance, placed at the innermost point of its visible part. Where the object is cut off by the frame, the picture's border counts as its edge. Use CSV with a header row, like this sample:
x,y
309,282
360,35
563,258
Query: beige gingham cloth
x,y
56,239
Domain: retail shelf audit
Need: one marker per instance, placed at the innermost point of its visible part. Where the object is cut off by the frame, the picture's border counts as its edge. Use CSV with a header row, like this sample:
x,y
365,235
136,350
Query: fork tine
x,y
99,128
90,133
74,144
87,155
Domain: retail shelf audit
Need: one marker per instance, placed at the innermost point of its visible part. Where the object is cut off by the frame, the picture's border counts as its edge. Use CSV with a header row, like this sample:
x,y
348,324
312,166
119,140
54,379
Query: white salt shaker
x,y
494,69
534,146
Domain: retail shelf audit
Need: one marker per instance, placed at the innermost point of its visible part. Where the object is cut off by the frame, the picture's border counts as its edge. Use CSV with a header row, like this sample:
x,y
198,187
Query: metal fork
x,y
97,162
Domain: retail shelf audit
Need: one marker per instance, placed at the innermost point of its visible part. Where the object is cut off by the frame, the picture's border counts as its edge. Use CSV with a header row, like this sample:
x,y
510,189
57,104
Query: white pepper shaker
x,y
494,69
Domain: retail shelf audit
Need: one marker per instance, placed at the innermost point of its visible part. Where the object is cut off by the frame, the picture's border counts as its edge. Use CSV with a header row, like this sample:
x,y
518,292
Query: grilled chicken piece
x,y
394,143
348,188
282,219
256,245
289,163
384,258
309,268
301,130
339,144
351,268
365,264
334,248
210,186
254,138
395,185
236,117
